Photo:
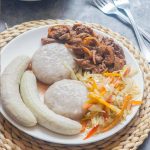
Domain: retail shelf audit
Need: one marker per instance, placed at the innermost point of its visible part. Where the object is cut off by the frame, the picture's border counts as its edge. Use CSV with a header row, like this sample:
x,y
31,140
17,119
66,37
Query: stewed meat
x,y
85,64
93,52
57,31
47,41
79,28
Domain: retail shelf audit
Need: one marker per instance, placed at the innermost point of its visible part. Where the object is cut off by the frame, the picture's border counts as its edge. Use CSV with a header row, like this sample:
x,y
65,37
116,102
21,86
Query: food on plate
x,y
48,63
45,117
93,52
66,98
10,95
111,97
77,82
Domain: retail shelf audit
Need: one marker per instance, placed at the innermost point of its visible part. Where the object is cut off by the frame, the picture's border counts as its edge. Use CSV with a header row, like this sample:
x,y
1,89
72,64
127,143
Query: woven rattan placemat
x,y
129,138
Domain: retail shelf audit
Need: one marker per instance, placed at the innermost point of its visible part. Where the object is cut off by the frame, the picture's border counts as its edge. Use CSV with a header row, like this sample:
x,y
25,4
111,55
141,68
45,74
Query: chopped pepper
x,y
91,132
96,98
136,102
118,116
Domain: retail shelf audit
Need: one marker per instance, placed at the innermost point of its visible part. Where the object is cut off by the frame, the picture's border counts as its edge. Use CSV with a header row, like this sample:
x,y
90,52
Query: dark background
x,y
15,12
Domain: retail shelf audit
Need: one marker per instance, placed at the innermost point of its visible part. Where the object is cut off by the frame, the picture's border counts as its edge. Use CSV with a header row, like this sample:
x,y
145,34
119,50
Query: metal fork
x,y
107,7
125,5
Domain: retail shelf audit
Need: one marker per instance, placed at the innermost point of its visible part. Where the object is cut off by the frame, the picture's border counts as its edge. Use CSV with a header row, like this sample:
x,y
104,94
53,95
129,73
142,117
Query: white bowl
x,y
27,43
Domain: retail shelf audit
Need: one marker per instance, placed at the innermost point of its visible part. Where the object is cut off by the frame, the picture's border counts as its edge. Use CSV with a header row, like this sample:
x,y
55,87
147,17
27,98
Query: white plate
x,y
27,43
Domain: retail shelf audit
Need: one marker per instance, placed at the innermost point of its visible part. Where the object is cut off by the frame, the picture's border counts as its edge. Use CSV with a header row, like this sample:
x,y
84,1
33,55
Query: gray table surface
x,y
15,12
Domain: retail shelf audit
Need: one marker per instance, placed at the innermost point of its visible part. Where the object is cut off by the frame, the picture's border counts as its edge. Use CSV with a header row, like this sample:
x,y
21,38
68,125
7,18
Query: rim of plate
x,y
91,140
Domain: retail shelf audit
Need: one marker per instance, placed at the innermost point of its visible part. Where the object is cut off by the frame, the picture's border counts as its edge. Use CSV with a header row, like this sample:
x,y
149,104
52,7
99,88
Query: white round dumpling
x,y
66,97
48,63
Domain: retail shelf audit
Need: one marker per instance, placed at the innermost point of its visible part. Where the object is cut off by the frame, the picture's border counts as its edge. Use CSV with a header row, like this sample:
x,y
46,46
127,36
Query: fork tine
x,y
103,2
98,3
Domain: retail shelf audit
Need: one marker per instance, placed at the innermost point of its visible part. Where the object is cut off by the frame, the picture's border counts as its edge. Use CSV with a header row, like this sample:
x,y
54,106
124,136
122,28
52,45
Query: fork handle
x,y
141,43
125,19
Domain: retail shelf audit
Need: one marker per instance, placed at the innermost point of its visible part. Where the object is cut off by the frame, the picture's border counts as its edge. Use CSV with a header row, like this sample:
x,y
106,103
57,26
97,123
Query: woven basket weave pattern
x,y
129,138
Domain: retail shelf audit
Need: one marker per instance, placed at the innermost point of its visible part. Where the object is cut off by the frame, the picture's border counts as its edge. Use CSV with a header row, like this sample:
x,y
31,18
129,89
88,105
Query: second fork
x,y
107,7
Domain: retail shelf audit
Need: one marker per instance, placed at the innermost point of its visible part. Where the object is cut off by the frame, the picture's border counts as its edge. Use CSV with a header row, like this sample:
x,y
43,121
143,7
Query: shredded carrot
x,y
89,86
84,125
94,84
87,106
119,86
91,100
86,50
95,97
129,106
133,102
116,80
91,132
118,116
112,79
113,74
102,90
109,99
126,72
89,40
